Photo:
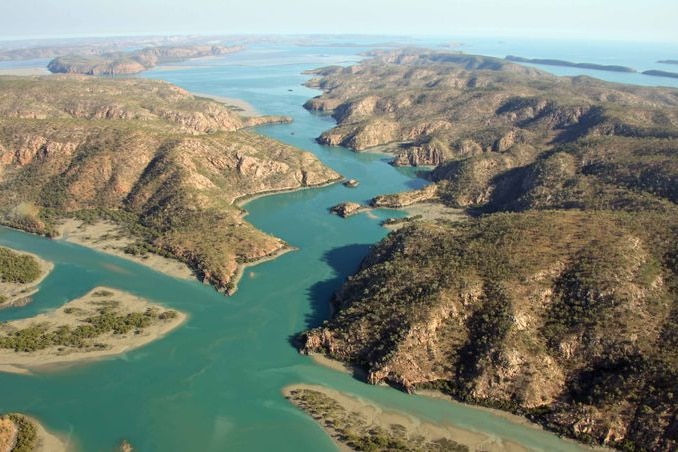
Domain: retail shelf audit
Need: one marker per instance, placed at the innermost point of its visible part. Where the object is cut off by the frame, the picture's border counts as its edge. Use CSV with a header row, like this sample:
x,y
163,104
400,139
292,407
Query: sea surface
x,y
214,384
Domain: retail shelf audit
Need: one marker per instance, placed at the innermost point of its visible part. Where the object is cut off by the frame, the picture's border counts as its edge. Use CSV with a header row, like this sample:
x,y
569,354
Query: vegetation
x,y
27,433
160,163
107,321
357,433
558,300
18,268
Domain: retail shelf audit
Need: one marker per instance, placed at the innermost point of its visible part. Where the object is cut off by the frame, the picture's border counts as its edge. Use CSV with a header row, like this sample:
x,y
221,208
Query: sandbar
x,y
110,238
363,417
74,314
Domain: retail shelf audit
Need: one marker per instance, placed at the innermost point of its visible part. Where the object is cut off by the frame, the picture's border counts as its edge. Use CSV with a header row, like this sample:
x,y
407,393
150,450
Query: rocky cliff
x,y
558,300
146,155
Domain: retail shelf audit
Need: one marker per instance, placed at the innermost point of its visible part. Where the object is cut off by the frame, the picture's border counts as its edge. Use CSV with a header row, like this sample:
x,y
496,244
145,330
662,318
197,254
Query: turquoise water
x,y
214,384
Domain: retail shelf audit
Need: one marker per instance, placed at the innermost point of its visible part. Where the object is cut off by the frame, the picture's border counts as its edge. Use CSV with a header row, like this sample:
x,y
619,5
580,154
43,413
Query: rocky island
x,y
162,166
122,63
556,300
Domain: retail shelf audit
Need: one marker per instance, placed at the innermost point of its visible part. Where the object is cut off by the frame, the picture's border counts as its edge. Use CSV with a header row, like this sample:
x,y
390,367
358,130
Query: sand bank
x,y
109,238
74,314
364,418
240,106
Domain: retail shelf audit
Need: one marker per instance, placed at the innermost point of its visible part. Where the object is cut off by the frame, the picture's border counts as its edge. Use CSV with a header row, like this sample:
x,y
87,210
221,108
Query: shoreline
x,y
43,440
242,108
361,375
375,416
240,271
105,236
49,441
26,71
19,294
242,201
73,314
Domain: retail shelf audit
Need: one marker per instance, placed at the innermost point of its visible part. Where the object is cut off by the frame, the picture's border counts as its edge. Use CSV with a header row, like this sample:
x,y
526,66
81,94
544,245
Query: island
x,y
145,165
104,322
657,73
20,274
555,298
121,63
552,62
20,433
668,61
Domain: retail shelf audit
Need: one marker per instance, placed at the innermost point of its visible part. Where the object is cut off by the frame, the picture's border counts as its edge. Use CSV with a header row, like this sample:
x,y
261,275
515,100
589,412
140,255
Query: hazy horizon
x,y
621,20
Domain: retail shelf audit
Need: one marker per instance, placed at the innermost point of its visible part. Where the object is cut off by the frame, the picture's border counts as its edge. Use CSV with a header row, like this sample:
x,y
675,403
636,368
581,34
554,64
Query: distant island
x,y
668,61
120,63
657,73
550,62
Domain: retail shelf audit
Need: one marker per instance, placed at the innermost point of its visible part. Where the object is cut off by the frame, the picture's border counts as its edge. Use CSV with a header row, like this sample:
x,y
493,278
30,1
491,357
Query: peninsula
x,y
20,273
552,62
556,299
161,165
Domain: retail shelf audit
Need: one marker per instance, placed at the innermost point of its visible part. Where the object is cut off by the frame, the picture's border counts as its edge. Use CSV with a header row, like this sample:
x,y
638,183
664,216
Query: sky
x,y
621,20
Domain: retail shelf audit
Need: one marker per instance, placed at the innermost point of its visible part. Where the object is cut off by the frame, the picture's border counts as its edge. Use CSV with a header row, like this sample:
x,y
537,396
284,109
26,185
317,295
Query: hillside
x,y
557,299
148,156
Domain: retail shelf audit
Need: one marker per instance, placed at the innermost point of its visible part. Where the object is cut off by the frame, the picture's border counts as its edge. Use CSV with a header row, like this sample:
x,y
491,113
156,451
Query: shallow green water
x,y
214,384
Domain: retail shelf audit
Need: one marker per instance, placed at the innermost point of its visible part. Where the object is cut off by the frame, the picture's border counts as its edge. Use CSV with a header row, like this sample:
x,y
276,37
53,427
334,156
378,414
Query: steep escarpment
x,y
120,63
558,300
148,156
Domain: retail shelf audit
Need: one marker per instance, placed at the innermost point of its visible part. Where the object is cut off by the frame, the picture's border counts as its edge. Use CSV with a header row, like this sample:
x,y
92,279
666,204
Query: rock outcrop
x,y
346,209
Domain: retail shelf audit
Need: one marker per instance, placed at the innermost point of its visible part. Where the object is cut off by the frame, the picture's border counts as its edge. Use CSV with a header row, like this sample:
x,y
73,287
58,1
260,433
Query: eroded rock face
x,y
547,313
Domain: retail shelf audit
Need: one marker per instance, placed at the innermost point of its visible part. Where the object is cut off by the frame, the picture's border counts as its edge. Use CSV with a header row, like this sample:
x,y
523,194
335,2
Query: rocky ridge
x,y
147,155
558,301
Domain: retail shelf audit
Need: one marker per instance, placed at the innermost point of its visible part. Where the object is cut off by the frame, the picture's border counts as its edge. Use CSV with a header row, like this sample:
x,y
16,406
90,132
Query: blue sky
x,y
627,20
